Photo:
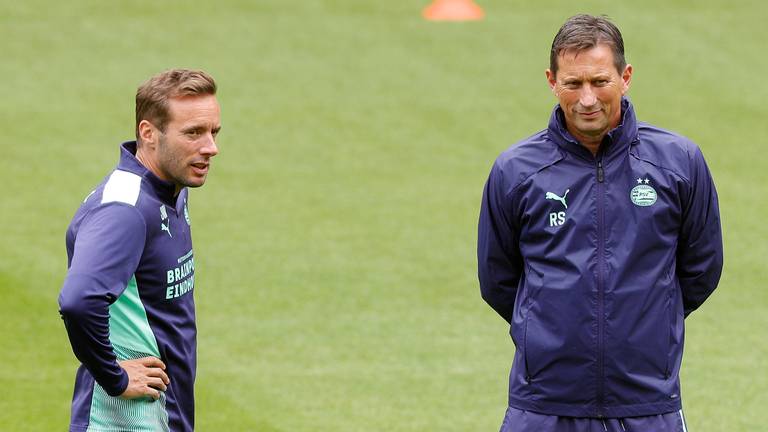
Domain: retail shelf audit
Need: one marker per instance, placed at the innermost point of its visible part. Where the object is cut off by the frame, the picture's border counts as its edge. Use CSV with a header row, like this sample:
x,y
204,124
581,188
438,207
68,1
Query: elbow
x,y
75,308
491,291
70,307
78,301
486,291
497,301
487,295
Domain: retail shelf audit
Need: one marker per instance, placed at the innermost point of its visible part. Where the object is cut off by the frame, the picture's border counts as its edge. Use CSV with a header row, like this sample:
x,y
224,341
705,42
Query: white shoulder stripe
x,y
122,186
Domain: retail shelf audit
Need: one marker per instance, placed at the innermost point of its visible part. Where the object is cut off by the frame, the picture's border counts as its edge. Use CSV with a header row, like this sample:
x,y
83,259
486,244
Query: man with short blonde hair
x,y
127,301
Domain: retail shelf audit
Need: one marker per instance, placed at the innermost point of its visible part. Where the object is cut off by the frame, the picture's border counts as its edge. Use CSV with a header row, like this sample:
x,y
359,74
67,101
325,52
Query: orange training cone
x,y
453,10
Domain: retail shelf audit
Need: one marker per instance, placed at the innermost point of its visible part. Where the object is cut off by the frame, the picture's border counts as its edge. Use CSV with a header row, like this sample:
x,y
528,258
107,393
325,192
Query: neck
x,y
140,156
592,143
147,162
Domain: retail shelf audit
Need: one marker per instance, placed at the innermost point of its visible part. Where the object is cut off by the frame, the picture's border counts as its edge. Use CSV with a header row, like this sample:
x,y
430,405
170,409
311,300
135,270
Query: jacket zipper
x,y
600,286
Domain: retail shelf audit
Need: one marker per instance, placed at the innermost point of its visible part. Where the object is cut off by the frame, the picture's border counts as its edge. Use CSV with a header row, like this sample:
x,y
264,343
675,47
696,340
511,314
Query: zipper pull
x,y
600,173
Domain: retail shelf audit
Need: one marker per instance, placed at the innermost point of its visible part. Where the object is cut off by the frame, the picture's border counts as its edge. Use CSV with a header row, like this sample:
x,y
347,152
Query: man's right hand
x,y
146,377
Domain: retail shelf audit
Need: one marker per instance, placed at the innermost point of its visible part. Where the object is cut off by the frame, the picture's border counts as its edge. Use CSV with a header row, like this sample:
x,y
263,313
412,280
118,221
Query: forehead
x,y
194,109
595,60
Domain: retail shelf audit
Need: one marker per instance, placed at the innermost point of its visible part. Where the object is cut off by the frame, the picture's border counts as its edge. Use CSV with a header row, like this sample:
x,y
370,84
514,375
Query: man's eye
x,y
571,85
193,133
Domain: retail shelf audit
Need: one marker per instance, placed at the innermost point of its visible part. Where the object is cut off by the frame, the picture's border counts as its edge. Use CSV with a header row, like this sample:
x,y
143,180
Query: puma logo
x,y
553,196
166,228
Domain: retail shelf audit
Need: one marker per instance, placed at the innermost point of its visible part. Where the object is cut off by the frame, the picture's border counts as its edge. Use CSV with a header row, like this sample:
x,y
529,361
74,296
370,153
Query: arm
x,y
499,264
700,247
107,250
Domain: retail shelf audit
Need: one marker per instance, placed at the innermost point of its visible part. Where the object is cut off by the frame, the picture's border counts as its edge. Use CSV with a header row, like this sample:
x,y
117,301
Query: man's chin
x,y
195,182
591,129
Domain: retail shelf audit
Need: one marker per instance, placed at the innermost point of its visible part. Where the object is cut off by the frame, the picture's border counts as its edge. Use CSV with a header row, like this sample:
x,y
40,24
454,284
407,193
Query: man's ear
x,y
551,80
626,79
148,134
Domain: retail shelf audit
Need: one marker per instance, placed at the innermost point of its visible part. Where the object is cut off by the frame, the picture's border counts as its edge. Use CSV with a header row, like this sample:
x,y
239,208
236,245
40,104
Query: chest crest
x,y
643,194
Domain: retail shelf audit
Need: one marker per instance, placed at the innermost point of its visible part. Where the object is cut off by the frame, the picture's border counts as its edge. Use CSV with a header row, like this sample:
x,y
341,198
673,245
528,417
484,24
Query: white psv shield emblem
x,y
643,195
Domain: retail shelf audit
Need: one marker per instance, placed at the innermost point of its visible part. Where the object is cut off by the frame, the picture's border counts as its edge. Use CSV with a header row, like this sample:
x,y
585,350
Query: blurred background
x,y
335,238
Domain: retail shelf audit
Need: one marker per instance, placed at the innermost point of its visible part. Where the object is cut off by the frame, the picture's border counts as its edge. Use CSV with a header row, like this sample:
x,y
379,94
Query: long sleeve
x,y
499,262
700,247
107,250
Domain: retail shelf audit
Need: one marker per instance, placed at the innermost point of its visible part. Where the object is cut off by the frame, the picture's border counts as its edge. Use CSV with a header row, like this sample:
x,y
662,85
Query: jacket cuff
x,y
119,387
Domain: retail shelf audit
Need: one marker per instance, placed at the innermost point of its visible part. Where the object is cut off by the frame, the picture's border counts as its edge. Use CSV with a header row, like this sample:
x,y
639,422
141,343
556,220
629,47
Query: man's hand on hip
x,y
146,377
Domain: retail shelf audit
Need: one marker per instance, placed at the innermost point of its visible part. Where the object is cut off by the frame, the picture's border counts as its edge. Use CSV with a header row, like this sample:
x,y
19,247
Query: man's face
x,y
589,89
185,149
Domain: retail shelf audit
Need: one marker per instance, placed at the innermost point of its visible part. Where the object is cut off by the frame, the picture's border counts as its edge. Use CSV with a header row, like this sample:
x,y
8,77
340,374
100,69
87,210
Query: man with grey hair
x,y
127,301
597,237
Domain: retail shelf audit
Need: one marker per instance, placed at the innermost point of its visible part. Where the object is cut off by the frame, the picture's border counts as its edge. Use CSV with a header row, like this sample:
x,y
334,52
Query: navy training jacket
x,y
595,260
129,293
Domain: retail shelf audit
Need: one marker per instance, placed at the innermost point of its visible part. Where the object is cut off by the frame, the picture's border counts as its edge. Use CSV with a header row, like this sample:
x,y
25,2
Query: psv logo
x,y
643,195
557,218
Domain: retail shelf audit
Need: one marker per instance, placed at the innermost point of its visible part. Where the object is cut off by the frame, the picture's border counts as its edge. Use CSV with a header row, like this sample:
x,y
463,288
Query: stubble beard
x,y
172,165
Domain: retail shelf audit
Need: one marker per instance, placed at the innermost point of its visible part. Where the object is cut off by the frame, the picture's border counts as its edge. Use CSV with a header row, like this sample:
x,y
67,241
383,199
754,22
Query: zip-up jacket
x,y
129,294
595,261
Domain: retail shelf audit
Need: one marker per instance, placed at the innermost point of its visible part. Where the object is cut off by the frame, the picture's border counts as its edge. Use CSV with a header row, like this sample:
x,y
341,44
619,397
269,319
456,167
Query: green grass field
x,y
335,238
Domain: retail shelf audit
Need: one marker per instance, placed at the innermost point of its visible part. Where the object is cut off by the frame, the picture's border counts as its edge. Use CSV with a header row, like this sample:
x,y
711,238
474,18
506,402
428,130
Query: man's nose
x,y
587,96
210,148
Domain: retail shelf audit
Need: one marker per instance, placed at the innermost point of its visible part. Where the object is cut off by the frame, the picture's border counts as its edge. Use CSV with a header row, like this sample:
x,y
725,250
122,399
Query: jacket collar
x,y
615,142
128,162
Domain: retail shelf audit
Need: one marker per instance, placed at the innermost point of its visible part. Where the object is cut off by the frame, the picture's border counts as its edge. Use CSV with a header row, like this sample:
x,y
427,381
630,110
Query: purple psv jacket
x,y
129,294
595,261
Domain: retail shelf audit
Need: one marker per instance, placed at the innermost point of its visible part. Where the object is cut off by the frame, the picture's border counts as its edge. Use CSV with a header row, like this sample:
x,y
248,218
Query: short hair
x,y
583,32
152,96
